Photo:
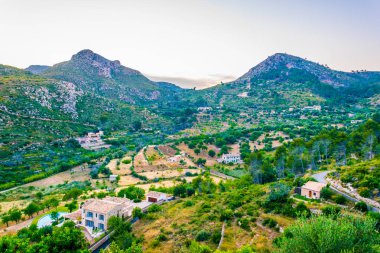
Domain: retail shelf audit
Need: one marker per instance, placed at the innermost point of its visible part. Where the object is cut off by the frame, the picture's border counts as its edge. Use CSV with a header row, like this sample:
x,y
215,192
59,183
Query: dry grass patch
x,y
128,180
79,173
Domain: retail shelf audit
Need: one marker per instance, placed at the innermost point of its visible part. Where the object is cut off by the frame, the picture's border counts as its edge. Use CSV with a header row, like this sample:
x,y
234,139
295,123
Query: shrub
x,y
269,222
302,209
244,224
162,237
331,210
361,206
326,193
126,161
154,208
332,234
226,214
211,153
132,192
215,238
137,213
188,203
340,200
364,192
202,236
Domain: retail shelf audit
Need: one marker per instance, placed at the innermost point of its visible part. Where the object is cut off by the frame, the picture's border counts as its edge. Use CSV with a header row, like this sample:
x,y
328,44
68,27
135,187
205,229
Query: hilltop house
x,y
96,212
230,158
312,190
93,141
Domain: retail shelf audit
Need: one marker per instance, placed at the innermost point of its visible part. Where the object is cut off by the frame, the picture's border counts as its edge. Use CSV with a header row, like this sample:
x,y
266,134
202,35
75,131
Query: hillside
x,y
39,116
285,81
90,92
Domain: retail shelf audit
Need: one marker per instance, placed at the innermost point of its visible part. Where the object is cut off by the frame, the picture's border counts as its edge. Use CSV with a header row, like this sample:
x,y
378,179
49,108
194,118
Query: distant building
x,y
312,190
153,196
351,115
356,121
312,108
113,178
96,212
93,141
175,158
230,158
204,109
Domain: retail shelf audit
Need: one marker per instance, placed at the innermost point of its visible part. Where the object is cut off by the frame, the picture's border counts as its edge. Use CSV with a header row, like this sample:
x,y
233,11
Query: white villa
x,y
96,212
230,158
93,141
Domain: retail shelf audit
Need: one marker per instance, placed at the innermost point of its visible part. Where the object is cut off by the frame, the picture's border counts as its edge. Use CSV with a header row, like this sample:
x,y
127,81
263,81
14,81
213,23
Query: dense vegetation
x,y
67,238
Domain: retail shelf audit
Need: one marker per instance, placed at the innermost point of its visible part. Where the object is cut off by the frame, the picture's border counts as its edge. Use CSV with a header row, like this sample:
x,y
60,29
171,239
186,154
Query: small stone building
x,y
153,196
312,190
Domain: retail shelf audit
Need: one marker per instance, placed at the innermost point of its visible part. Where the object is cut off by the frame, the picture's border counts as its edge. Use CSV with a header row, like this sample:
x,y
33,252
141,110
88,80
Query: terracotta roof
x,y
105,205
314,186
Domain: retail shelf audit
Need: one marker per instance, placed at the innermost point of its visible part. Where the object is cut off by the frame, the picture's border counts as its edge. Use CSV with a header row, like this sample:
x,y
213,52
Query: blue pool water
x,y
47,221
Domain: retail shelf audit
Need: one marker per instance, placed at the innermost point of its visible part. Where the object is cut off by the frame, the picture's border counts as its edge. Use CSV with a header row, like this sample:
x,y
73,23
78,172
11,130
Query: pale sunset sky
x,y
195,42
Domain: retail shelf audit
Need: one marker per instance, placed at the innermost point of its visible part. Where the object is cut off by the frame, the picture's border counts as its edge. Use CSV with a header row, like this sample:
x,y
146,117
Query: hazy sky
x,y
194,42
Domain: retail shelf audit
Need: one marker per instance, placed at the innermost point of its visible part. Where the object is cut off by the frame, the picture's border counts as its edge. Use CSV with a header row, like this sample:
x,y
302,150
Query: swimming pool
x,y
47,221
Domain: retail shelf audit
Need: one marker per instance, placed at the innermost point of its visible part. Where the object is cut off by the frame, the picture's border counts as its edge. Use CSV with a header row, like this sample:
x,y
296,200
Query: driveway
x,y
321,176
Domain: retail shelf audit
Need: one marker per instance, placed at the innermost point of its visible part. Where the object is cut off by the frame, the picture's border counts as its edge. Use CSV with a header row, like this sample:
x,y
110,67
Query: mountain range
x,y
42,105
93,90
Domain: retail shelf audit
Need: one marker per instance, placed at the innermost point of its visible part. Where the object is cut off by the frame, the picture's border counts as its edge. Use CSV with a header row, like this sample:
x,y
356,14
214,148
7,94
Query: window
x,y
101,226
89,223
89,214
101,217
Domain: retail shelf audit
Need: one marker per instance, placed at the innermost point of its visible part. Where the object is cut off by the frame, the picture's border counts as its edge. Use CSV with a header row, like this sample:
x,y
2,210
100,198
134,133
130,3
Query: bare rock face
x,y
62,96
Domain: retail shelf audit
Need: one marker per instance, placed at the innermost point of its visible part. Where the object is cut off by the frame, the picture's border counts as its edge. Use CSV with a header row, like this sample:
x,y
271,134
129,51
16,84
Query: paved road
x,y
321,177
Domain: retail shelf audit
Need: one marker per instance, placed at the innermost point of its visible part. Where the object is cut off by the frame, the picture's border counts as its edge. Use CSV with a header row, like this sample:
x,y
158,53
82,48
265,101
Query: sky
x,y
193,43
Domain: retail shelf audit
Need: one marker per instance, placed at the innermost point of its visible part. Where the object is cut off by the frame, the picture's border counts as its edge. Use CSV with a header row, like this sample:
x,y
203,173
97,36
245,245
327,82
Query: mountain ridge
x,y
37,69
283,63
95,73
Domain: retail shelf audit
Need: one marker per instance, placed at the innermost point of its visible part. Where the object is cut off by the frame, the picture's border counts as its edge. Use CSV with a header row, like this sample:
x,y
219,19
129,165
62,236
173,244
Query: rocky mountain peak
x,y
87,58
284,63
